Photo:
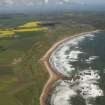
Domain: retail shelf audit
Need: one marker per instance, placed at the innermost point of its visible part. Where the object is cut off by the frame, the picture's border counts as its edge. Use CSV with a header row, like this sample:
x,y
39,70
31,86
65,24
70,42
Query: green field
x,y
22,77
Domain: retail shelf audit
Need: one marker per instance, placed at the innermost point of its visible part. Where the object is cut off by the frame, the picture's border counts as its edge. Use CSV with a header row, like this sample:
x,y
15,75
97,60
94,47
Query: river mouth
x,y
81,60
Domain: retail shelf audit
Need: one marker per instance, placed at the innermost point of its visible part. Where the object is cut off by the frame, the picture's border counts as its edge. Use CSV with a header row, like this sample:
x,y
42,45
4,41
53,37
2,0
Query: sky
x,y
33,4
41,2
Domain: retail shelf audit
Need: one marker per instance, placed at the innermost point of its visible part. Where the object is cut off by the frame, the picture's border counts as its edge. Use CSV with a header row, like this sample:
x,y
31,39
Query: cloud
x,y
35,2
31,2
9,2
13,2
46,1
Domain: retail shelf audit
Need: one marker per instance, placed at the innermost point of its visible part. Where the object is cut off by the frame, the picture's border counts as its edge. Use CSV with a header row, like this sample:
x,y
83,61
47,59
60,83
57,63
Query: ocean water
x,y
83,59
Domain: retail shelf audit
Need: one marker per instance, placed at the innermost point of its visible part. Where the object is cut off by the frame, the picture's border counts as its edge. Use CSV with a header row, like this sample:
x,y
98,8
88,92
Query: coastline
x,y
54,75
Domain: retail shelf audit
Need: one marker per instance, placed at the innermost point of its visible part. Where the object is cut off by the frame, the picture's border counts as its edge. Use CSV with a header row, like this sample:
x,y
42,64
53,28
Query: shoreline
x,y
53,74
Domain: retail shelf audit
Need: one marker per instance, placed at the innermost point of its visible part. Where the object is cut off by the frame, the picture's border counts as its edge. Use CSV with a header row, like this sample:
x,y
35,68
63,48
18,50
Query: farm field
x,y
24,39
28,27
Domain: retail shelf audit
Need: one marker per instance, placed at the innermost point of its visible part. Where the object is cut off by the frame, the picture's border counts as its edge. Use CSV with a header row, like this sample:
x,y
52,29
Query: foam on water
x,y
68,52
87,85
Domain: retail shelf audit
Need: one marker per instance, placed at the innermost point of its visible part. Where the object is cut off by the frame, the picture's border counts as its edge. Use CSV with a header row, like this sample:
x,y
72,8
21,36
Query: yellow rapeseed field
x,y
31,24
31,29
28,27
6,33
